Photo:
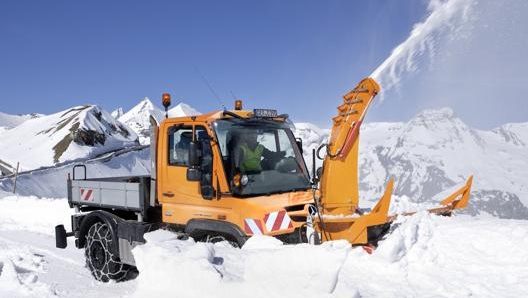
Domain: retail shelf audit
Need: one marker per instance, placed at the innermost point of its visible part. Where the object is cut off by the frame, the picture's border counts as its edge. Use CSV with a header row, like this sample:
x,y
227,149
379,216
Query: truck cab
x,y
204,188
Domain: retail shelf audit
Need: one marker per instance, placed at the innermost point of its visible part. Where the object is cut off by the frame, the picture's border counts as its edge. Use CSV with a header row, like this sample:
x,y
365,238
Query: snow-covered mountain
x,y
434,151
183,109
8,121
137,118
79,132
312,137
117,113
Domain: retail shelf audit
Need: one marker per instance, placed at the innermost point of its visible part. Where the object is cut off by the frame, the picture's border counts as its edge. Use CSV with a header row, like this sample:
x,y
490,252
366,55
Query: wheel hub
x,y
98,255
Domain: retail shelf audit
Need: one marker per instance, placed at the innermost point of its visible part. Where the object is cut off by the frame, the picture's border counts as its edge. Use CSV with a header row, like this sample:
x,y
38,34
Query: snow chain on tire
x,y
219,238
103,264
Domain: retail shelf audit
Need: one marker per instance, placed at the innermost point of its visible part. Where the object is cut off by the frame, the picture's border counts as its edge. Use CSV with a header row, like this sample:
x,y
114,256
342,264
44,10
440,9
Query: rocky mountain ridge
x,y
78,132
137,118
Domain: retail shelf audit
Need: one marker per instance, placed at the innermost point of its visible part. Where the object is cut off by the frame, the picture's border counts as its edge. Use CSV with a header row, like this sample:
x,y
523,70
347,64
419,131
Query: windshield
x,y
260,157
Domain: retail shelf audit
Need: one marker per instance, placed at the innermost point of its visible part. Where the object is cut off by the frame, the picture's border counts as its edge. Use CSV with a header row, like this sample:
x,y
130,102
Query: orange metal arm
x,y
339,181
457,200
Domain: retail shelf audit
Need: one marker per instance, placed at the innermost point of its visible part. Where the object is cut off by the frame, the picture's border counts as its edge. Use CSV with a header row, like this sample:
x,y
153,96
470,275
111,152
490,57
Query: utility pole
x,y
16,176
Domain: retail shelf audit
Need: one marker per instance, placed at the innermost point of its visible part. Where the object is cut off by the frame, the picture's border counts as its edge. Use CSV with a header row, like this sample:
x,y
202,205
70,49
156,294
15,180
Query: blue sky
x,y
297,56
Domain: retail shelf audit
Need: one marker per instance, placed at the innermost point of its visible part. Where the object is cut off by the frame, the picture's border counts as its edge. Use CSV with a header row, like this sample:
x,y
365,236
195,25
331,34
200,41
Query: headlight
x,y
244,180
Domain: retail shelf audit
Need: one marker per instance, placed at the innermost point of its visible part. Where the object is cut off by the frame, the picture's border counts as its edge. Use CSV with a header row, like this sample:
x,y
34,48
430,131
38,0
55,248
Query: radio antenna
x,y
210,88
233,94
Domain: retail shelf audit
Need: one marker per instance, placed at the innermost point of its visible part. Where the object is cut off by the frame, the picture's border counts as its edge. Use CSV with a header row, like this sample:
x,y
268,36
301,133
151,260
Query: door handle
x,y
168,194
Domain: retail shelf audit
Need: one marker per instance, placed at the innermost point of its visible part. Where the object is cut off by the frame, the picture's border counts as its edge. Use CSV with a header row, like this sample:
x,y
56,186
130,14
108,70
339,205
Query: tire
x,y
215,238
103,264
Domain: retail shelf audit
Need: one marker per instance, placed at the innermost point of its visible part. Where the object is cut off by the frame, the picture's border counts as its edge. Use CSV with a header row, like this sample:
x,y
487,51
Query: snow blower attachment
x,y
340,216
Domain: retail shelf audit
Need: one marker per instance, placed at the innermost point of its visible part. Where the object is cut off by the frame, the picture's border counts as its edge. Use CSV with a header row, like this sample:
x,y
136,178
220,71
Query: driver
x,y
250,153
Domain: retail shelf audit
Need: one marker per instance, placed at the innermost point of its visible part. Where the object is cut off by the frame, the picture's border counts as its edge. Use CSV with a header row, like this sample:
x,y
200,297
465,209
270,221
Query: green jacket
x,y
251,159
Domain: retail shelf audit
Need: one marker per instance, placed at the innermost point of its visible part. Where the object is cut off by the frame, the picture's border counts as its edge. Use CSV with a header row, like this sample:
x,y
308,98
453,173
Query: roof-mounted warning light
x,y
238,105
166,101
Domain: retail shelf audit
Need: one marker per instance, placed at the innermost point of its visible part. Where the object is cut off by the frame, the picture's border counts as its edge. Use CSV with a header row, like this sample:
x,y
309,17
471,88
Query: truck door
x,y
174,186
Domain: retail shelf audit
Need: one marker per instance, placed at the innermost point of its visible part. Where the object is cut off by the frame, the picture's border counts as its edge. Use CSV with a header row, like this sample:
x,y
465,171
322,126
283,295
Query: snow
x,y
312,137
8,121
182,110
31,218
51,182
138,118
431,152
19,271
424,256
436,150
30,265
48,140
117,113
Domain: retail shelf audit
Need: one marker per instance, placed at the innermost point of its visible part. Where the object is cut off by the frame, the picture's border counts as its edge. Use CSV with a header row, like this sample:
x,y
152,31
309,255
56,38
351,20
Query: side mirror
x,y
319,173
194,154
299,144
194,174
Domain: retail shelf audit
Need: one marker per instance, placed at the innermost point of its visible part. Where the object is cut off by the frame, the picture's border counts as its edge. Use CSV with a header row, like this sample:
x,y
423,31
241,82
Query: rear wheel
x,y
103,264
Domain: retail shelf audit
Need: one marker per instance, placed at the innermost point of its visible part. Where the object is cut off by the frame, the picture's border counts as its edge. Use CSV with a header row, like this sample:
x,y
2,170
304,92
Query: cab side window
x,y
180,138
179,141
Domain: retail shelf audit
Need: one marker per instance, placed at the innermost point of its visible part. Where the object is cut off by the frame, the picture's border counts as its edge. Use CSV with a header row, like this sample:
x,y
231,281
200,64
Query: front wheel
x,y
103,264
215,238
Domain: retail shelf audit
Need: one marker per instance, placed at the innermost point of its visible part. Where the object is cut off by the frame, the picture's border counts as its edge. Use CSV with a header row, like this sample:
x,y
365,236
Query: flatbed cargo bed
x,y
130,193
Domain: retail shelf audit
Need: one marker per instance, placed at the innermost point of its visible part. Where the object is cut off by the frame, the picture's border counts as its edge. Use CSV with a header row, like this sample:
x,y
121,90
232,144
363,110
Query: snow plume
x,y
446,18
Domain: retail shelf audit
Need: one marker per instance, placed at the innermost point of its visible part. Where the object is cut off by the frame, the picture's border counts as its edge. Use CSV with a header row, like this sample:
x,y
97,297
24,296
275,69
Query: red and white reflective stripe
x,y
253,226
278,220
368,248
87,194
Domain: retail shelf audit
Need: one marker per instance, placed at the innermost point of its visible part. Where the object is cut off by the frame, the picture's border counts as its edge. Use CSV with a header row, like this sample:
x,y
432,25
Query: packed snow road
x,y
31,266
424,256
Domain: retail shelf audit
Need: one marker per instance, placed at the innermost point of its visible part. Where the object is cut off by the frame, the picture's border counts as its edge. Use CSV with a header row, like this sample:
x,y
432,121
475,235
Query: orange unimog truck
x,y
200,188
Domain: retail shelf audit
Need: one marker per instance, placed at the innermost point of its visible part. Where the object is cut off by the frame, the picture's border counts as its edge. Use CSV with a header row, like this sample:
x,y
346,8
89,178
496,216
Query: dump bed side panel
x,y
125,193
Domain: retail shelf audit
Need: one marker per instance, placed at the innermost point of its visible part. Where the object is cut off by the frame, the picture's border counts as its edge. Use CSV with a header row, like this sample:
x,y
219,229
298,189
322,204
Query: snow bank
x,y
51,182
433,256
262,268
34,214
425,255
19,269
